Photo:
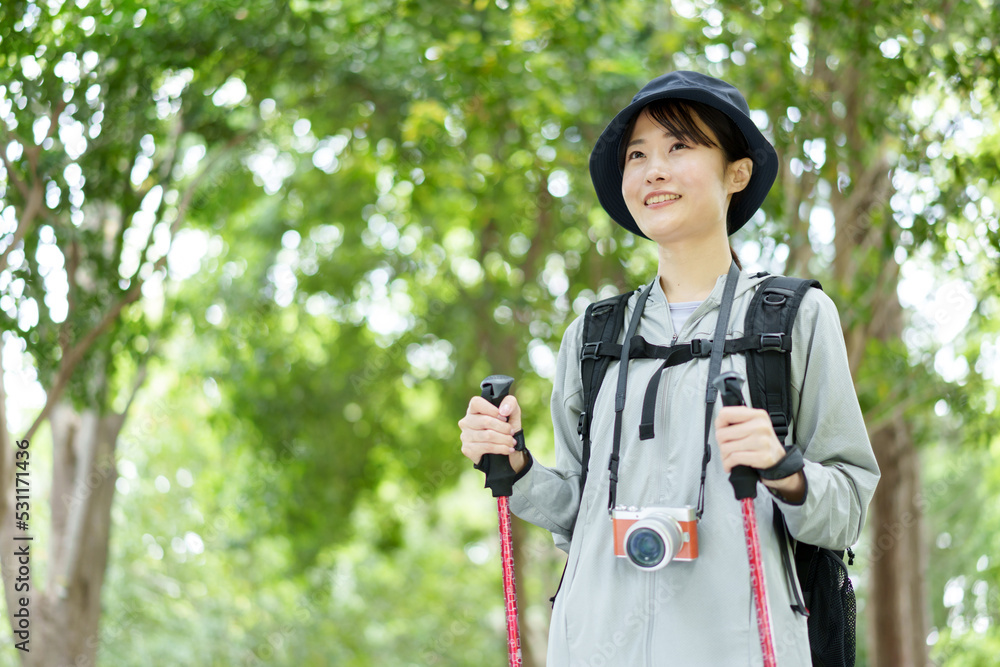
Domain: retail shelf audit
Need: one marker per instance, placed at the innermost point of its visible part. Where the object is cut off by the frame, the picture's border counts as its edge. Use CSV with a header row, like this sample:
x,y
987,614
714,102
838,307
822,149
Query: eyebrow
x,y
642,141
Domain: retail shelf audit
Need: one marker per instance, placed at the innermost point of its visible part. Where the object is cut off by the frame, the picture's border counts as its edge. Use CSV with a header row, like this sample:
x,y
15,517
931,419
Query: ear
x,y
739,173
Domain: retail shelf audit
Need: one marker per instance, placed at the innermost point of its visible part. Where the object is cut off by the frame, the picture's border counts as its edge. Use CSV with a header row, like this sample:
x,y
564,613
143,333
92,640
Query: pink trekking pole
x,y
500,480
744,481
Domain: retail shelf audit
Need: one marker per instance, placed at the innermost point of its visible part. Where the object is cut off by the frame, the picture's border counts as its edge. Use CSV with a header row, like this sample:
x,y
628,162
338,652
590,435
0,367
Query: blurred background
x,y
255,258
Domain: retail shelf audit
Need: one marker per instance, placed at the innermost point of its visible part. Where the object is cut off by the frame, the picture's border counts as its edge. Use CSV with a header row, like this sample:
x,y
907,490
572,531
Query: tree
x,y
381,203
869,65
503,104
115,121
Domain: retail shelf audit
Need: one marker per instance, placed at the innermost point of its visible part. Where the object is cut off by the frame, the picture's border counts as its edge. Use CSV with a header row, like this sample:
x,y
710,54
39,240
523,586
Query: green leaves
x,y
371,206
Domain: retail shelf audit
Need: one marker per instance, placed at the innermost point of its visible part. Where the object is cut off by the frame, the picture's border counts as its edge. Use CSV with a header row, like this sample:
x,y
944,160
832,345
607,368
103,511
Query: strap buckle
x,y
613,467
780,423
771,342
701,347
590,351
581,424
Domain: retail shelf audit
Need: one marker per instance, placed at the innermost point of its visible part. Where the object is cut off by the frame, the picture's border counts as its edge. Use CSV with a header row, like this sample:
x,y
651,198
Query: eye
x,y
679,144
635,155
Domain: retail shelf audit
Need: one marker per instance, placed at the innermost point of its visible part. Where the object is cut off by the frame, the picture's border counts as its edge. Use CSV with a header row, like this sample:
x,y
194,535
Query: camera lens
x,y
653,541
645,548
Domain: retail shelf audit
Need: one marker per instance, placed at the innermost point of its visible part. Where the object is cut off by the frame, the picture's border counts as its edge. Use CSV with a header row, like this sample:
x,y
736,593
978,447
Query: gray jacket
x,y
698,612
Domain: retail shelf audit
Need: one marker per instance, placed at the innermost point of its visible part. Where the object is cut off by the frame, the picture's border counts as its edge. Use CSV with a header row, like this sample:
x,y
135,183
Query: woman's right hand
x,y
488,429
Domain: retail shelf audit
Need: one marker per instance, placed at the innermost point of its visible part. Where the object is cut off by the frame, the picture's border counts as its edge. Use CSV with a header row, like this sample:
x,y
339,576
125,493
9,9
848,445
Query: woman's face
x,y
678,190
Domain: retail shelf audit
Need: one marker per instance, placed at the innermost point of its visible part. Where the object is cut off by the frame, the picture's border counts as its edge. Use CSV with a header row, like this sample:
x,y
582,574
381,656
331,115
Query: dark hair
x,y
678,118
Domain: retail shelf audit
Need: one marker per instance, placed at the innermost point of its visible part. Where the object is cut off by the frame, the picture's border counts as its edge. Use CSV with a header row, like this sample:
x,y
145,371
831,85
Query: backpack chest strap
x,y
699,348
675,355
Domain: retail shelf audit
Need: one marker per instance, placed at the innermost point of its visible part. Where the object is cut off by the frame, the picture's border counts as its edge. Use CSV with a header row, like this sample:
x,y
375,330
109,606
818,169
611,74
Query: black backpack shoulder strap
x,y
768,325
602,324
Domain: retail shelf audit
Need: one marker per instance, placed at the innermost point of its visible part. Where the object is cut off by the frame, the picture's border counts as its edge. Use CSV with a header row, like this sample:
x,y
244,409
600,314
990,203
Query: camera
x,y
651,537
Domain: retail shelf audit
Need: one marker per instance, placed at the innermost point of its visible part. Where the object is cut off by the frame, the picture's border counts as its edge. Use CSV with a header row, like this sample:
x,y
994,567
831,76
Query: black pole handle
x,y
496,387
499,474
743,478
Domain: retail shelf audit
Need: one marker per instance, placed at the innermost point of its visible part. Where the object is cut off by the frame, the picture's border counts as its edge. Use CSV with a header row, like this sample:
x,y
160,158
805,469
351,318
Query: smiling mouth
x,y
659,199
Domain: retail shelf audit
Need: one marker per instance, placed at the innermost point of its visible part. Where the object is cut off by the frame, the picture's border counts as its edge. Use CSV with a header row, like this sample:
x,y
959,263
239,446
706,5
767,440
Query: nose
x,y
656,169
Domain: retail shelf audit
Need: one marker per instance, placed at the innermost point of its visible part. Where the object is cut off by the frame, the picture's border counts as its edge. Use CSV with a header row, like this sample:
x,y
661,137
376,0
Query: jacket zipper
x,y
651,589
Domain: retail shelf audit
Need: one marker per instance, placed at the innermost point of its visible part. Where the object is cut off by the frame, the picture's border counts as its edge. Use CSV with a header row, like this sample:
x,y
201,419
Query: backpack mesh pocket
x,y
832,612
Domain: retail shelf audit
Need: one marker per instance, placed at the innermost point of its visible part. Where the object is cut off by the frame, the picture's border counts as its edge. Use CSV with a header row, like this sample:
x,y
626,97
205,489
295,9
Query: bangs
x,y
678,117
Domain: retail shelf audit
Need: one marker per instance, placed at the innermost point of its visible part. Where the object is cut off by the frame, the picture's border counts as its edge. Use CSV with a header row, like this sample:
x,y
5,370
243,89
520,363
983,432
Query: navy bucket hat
x,y
606,172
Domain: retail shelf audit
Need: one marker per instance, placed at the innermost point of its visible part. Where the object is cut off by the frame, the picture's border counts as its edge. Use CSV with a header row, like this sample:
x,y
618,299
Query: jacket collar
x,y
744,283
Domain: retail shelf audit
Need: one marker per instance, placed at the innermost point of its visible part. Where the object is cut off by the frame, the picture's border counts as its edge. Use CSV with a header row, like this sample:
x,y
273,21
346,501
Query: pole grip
x,y
499,474
495,388
743,478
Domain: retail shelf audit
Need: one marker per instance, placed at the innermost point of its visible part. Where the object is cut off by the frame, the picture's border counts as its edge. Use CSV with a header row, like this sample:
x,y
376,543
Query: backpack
x,y
823,580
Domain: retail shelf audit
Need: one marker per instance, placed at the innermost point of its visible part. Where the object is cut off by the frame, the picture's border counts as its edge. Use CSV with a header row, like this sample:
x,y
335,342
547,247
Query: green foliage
x,y
964,573
399,205
193,583
106,110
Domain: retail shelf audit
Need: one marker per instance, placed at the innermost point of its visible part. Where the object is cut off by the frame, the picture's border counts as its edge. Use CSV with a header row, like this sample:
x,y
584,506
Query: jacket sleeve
x,y
840,467
550,497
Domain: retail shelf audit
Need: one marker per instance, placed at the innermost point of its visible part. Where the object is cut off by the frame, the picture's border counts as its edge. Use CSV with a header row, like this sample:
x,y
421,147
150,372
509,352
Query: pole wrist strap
x,y
786,467
500,477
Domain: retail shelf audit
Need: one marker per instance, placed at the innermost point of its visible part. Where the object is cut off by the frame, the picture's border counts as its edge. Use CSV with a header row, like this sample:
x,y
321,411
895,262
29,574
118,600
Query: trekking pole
x,y
500,480
744,481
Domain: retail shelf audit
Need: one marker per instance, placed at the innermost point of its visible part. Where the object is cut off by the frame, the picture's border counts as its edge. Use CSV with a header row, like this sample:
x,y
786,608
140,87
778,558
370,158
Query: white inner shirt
x,y
680,312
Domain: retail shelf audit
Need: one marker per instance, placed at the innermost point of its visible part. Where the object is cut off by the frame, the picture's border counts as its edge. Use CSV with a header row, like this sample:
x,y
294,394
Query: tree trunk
x,y
65,615
897,616
897,603
896,612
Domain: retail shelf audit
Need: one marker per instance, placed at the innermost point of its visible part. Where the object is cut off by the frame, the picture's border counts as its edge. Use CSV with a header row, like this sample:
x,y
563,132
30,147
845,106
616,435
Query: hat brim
x,y
607,175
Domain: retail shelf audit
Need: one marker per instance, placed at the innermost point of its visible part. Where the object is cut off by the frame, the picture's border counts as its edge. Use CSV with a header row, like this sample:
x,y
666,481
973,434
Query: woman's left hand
x,y
746,438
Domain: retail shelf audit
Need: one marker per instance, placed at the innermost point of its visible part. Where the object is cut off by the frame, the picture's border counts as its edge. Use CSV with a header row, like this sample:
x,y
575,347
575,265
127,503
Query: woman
x,y
684,166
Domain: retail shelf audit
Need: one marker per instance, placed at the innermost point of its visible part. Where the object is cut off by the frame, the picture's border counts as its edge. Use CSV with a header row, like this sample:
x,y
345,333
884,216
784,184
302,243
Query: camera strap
x,y
715,365
633,324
